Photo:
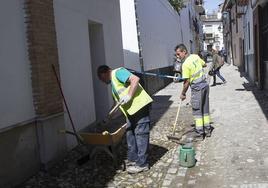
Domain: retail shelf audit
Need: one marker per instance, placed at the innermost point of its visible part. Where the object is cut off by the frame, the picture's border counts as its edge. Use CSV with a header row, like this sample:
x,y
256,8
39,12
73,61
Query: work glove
x,y
124,99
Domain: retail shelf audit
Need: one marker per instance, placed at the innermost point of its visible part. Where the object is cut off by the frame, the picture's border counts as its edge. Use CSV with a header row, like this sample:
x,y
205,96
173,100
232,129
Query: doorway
x,y
264,46
242,60
97,53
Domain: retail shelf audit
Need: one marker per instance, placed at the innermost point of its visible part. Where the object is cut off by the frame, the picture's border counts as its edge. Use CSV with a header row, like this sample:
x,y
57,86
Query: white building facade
x,y
212,28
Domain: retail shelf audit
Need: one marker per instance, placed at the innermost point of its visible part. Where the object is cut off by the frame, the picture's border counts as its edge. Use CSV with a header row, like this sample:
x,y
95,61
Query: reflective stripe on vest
x,y
200,79
138,101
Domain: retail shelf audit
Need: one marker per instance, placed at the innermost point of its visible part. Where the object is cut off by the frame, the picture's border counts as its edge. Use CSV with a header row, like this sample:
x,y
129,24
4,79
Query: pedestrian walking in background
x,y
223,54
194,76
135,102
217,63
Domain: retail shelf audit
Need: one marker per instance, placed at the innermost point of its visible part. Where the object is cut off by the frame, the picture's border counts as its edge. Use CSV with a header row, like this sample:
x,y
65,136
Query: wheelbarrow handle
x,y
72,133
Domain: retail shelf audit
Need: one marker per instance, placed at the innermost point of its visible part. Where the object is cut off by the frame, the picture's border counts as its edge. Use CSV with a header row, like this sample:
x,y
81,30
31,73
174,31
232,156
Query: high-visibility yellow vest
x,y
193,65
139,100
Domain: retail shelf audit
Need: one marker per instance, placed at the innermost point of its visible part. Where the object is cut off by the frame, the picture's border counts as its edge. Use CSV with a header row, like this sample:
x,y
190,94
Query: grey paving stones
x,y
235,155
172,170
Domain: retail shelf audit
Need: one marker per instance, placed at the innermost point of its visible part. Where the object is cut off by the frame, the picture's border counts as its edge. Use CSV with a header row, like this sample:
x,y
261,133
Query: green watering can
x,y
187,156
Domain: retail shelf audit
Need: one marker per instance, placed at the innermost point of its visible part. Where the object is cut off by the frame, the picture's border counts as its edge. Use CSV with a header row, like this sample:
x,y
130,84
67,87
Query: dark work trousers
x,y
137,134
200,106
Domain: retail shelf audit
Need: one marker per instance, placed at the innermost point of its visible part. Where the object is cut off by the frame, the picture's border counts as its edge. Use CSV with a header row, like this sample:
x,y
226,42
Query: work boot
x,y
137,169
208,131
199,135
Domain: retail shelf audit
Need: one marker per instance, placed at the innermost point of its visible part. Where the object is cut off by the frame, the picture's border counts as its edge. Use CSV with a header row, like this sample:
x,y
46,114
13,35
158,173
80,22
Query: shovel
x,y
112,111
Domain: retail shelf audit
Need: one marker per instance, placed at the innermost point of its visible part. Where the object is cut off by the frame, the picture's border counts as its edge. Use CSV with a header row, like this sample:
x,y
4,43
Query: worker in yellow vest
x,y
135,103
194,76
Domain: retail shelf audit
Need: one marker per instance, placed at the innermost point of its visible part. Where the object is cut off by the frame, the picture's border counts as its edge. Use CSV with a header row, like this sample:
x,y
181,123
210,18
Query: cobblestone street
x,y
94,94
235,155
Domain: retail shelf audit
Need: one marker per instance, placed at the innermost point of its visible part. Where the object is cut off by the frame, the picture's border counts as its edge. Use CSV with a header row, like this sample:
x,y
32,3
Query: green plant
x,y
177,4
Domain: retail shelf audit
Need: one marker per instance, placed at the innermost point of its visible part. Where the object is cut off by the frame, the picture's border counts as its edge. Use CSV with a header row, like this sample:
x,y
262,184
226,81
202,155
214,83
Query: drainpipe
x,y
181,29
231,31
139,43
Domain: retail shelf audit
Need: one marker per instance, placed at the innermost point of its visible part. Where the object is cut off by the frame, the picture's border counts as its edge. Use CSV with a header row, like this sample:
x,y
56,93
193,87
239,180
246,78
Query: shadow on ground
x,y
260,95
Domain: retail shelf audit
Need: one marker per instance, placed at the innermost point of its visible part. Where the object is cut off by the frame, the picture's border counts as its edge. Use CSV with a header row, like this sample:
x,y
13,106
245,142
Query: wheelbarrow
x,y
101,141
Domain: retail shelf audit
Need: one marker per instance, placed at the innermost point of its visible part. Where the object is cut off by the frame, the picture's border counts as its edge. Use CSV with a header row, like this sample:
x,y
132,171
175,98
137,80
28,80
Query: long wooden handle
x,y
114,109
65,103
176,119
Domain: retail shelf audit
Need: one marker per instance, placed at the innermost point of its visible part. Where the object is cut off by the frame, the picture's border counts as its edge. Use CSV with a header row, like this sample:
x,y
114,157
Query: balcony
x,y
240,12
242,2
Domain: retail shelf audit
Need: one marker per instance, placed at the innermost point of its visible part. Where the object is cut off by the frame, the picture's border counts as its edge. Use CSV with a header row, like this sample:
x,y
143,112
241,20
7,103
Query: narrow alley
x,y
134,93
235,156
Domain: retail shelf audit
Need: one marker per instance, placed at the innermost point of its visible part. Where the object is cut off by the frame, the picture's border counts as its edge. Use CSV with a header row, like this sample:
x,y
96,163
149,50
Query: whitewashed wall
x,y
160,32
161,29
16,91
72,27
129,34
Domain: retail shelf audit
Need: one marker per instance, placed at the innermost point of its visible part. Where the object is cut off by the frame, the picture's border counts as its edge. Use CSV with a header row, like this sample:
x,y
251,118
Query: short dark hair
x,y
103,69
182,47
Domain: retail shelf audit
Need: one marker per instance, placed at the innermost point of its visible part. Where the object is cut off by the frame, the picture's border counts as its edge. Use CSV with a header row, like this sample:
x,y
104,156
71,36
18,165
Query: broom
x,y
173,137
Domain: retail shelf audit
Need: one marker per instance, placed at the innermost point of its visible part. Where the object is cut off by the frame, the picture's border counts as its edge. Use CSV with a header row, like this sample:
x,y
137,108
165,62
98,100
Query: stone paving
x,y
163,154
235,156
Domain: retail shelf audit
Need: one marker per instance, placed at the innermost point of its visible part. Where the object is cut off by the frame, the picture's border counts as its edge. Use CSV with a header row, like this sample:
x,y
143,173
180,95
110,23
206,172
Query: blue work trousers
x,y
137,134
217,72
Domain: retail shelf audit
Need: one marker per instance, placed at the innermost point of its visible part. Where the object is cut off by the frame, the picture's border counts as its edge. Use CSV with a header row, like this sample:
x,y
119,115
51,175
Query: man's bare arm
x,y
186,85
134,82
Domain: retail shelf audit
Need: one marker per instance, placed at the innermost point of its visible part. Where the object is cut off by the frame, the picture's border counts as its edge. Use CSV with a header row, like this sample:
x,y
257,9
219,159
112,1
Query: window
x,y
248,35
209,35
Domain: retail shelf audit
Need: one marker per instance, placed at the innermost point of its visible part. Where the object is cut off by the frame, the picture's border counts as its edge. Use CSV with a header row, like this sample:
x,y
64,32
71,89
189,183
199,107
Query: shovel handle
x,y
114,108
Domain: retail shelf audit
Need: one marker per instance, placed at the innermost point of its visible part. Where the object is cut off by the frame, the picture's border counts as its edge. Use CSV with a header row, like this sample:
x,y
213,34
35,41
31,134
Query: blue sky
x,y
212,4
